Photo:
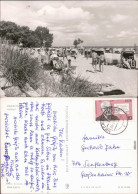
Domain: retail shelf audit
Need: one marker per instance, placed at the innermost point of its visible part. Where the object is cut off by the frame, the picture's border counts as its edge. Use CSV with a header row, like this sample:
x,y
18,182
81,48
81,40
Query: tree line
x,y
77,42
17,34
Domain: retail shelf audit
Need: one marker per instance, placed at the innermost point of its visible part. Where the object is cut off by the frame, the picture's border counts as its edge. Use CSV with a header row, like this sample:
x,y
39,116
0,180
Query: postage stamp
x,y
113,115
116,109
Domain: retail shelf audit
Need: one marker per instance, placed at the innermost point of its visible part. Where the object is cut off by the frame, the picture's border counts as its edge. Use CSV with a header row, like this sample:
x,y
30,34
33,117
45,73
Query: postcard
x,y
69,145
69,48
68,97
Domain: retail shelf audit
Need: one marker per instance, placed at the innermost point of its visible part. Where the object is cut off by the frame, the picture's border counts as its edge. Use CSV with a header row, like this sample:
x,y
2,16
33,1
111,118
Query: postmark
x,y
111,124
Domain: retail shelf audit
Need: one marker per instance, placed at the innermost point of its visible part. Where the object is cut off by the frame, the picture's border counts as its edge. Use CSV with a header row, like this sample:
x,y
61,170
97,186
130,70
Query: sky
x,y
97,23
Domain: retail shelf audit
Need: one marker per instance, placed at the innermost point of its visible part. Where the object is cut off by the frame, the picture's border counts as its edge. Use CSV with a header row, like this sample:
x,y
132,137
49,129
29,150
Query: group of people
x,y
55,59
97,61
98,58
59,57
45,55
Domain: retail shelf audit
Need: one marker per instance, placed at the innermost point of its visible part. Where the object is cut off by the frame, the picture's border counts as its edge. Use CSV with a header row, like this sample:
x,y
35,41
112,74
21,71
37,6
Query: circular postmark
x,y
114,120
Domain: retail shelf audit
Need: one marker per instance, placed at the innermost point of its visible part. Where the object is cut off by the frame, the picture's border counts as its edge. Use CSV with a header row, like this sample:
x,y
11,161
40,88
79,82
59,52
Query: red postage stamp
x,y
113,110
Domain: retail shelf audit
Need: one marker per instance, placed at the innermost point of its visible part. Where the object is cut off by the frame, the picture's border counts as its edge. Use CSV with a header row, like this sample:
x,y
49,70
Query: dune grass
x,y
77,87
18,67
66,86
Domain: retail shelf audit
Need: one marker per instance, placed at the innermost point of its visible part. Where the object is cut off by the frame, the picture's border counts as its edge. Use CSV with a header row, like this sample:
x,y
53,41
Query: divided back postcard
x,y
68,97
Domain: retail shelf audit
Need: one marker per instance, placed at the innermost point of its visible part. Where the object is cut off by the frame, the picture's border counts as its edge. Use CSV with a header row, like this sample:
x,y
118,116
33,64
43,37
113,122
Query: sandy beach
x,y
124,79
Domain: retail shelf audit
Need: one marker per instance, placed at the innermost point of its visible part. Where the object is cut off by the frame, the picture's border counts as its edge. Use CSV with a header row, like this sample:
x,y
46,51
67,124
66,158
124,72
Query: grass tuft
x,y
18,67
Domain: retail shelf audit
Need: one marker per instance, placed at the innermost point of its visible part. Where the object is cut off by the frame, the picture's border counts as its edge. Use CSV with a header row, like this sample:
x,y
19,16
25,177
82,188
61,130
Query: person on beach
x,y
127,63
32,52
39,57
47,57
101,62
94,59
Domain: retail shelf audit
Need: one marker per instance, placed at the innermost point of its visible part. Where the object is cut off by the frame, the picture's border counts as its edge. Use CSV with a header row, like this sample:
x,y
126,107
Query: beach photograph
x,y
69,49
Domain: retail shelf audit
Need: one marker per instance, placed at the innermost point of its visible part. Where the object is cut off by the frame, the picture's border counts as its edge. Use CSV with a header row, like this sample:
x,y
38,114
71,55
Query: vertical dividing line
x,y
137,131
134,145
